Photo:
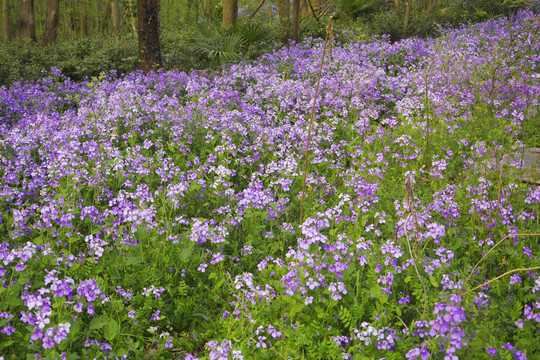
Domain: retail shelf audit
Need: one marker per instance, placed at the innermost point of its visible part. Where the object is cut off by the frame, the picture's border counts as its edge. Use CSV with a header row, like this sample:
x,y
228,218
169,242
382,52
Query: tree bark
x,y
29,23
51,25
284,12
230,13
5,20
296,21
316,4
133,18
149,44
19,25
74,23
115,17
431,5
407,15
84,20
105,20
304,11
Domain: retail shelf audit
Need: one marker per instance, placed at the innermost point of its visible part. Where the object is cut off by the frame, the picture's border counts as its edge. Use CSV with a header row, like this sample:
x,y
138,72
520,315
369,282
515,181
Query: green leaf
x,y
121,352
71,240
219,284
185,254
433,281
134,261
296,308
376,291
13,297
111,329
98,323
407,279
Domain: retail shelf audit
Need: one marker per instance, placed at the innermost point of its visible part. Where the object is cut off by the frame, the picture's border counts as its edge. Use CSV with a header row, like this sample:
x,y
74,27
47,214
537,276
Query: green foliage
x,y
384,18
359,7
251,32
77,59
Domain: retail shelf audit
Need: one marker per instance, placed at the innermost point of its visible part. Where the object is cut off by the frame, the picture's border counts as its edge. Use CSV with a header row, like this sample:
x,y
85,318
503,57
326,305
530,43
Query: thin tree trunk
x,y
5,20
133,19
29,23
431,5
149,44
407,15
106,18
84,20
284,12
230,13
115,17
296,21
19,25
316,4
257,9
303,9
74,24
51,25
208,9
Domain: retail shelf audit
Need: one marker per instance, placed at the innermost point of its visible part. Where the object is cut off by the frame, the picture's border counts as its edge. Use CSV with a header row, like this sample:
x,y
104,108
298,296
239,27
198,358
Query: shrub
x,y
76,59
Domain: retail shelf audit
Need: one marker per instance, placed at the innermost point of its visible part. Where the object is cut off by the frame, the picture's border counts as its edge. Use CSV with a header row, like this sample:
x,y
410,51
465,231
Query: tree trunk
x,y
230,13
316,4
5,20
304,10
29,23
105,20
19,26
51,24
84,20
133,19
74,24
296,21
115,17
407,15
284,12
149,44
208,9
431,5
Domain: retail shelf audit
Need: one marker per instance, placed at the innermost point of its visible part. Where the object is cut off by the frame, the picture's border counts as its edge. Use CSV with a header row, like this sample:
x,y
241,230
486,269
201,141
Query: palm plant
x,y
209,41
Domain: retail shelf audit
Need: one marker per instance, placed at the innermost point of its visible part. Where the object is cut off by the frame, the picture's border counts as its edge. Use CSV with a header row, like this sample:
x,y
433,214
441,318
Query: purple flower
x,y
273,332
202,267
514,279
404,300
261,343
508,346
8,329
155,315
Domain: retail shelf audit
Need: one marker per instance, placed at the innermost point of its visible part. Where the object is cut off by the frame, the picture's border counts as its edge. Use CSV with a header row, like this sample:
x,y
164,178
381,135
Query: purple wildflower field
x,y
158,216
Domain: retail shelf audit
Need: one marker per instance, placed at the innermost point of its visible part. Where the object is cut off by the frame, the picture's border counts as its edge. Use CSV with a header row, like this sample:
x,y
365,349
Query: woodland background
x,y
84,38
